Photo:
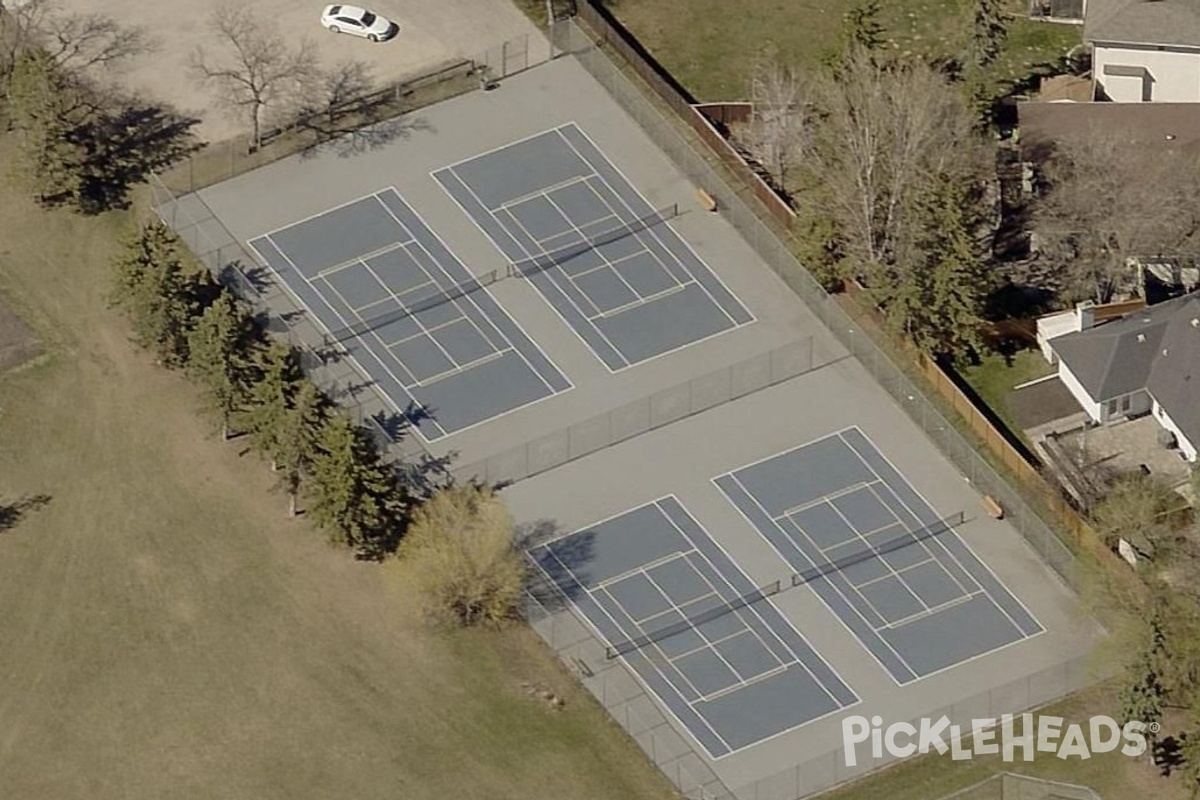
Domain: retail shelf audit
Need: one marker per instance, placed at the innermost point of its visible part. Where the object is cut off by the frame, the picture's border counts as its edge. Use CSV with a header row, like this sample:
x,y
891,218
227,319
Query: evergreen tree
x,y
44,107
861,32
1144,695
161,299
220,355
989,33
355,495
297,437
278,378
935,294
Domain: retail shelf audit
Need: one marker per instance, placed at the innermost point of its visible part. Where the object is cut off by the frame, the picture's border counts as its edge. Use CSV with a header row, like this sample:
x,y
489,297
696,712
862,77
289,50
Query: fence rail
x,y
647,414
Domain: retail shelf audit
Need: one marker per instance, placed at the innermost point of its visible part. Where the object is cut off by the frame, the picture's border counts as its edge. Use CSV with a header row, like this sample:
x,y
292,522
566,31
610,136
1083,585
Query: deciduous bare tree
x,y
1106,201
75,42
256,70
779,133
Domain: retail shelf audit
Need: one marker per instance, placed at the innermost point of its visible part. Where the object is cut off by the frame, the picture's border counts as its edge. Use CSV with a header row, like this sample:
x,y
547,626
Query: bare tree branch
x,y
86,41
1104,202
780,132
255,70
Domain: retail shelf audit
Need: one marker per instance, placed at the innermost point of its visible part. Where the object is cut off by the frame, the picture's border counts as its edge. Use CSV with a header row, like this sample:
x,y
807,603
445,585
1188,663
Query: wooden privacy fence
x,y
611,34
999,445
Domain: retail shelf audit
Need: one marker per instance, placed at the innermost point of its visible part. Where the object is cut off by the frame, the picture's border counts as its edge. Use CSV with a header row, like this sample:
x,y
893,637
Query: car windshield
x,y
333,10
368,18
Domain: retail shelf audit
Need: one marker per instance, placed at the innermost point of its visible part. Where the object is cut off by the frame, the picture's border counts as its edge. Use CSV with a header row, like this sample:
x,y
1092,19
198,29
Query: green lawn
x,y
1112,775
995,376
167,632
710,45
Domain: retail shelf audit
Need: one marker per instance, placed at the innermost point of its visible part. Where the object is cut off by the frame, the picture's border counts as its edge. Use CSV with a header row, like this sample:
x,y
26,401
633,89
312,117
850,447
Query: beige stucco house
x,y
1144,51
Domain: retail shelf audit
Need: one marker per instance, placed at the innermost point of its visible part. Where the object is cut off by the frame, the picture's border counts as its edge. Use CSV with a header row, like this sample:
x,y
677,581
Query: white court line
x,y
683,618
325,273
461,368
497,149
366,374
933,611
640,568
551,392
733,476
702,637
854,487
681,239
665,706
863,539
942,546
542,192
607,261
641,301
964,588
753,610
322,213
567,297
500,307
415,318
578,335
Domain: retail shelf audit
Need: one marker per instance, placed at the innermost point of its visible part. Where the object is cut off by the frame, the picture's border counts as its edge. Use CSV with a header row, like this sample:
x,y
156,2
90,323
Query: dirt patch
x,y
18,344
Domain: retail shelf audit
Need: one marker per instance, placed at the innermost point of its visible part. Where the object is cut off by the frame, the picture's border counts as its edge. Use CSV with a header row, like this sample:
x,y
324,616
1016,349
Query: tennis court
x,y
693,627
551,204
877,554
410,314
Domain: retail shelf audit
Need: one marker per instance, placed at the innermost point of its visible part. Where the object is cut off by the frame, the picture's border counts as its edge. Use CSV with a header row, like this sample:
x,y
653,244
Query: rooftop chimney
x,y
1085,315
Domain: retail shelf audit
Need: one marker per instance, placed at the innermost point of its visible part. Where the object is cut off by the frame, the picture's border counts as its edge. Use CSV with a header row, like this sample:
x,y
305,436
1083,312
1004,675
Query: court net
x,y
432,299
638,642
541,263
521,269
898,542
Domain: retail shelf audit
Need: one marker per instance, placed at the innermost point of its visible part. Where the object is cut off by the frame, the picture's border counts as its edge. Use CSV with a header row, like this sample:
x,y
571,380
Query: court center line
x,y
627,662
653,233
887,645
941,544
755,611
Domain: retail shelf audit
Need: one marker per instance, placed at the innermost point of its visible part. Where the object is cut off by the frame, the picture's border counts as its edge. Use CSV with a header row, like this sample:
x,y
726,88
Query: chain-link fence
x,y
647,414
627,701
283,315
735,204
1009,786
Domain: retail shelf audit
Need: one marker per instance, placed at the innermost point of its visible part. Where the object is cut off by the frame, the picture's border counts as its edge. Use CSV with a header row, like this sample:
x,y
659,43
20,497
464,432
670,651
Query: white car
x,y
358,21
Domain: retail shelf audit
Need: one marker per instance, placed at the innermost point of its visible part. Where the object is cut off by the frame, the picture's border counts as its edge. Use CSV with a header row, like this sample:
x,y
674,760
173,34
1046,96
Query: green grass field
x,y
167,632
710,46
994,377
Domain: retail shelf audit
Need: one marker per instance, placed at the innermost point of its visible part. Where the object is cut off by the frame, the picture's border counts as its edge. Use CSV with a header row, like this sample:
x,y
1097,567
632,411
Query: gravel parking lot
x,y
432,34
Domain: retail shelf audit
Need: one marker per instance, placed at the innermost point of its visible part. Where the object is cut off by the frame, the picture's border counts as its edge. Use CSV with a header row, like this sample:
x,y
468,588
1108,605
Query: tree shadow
x,y
11,514
121,148
358,133
549,576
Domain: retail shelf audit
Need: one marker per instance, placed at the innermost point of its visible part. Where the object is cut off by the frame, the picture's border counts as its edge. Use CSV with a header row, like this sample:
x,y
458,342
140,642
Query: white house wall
x,y
1085,401
1186,447
1174,74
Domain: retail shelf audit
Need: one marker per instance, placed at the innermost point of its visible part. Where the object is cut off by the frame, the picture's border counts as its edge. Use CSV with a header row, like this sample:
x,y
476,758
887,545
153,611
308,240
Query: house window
x,y
1112,408
1125,402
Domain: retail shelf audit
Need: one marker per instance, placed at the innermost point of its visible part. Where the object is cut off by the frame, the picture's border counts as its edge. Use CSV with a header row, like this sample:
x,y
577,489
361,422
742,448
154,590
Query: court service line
x,y
753,499
600,152
502,314
496,244
940,544
602,638
320,213
734,565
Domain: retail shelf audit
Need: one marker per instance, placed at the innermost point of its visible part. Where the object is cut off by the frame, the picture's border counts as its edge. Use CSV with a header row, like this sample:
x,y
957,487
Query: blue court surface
x,y
601,256
693,627
898,576
416,321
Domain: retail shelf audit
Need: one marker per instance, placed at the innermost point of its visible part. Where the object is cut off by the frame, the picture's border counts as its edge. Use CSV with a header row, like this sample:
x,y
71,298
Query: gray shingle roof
x,y
1175,377
1157,348
1143,21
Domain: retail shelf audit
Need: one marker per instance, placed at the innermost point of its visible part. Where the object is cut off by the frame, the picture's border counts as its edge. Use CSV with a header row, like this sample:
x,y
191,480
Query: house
x,y
1144,50
1147,361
